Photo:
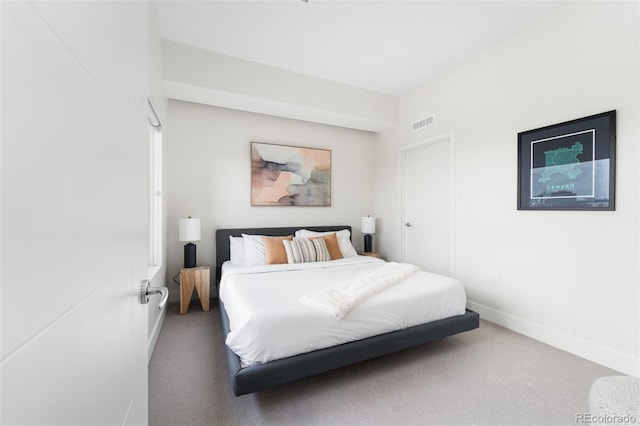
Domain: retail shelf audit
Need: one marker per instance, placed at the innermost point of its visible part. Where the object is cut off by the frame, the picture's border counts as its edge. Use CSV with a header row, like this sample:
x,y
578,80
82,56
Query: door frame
x,y
403,152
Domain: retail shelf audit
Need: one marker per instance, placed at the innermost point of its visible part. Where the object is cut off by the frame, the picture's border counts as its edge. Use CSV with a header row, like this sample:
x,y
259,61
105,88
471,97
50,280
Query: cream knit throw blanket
x,y
338,300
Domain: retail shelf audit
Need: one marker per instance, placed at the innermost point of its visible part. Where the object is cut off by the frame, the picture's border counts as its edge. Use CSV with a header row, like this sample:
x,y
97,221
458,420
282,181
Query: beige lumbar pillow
x,y
332,245
274,249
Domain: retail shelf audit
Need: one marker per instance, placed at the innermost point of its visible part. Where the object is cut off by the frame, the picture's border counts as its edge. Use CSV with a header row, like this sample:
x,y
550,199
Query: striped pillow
x,y
304,250
332,245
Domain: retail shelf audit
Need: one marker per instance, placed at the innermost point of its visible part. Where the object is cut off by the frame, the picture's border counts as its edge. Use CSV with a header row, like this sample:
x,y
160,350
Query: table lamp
x,y
189,230
368,227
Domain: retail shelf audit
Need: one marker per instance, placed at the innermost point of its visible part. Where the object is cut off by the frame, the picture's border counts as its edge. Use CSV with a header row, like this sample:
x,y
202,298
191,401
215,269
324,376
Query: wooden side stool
x,y
197,277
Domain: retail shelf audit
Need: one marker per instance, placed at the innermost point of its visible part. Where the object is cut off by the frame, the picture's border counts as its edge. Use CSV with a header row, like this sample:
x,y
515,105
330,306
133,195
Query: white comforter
x,y
268,322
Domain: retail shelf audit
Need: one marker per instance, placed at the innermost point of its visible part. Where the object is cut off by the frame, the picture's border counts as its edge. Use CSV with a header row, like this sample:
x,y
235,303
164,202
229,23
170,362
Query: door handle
x,y
408,225
146,291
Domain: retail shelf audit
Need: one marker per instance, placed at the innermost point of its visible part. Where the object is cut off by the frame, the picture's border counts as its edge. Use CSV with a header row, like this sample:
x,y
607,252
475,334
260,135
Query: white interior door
x,y
74,221
427,194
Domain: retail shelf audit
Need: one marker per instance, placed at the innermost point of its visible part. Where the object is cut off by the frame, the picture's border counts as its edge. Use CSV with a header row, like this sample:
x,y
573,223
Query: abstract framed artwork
x,y
568,166
283,175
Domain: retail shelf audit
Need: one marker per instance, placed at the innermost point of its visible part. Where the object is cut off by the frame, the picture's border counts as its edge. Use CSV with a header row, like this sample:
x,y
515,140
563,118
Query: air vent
x,y
425,122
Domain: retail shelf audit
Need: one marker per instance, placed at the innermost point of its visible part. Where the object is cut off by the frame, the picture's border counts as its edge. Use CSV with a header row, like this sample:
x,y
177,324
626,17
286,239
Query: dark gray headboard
x,y
222,238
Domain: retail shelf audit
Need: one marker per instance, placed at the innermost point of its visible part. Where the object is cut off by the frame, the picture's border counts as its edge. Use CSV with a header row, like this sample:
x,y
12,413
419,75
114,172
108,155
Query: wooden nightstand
x,y
370,253
197,277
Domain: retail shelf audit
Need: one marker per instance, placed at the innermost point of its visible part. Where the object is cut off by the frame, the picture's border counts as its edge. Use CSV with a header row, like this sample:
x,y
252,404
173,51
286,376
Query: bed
x,y
248,377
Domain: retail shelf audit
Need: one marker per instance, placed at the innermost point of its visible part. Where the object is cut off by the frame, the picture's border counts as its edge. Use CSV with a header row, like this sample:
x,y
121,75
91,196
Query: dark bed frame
x,y
263,376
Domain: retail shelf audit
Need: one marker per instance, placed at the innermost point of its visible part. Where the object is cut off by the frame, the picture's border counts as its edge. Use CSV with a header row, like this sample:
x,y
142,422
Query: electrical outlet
x,y
495,279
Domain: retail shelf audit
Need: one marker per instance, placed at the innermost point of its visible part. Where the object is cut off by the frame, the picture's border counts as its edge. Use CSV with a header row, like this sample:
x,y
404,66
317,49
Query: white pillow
x,y
253,250
236,250
344,241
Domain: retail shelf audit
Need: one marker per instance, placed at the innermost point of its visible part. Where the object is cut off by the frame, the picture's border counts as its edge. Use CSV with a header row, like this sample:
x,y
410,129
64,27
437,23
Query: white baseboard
x,y
153,339
600,354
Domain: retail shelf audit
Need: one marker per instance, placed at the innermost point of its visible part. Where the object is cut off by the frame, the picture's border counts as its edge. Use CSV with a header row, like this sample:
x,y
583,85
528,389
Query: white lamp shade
x,y
189,229
368,225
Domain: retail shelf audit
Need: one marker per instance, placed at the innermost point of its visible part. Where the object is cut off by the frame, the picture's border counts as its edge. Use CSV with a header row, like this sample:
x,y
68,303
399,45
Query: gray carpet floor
x,y
489,376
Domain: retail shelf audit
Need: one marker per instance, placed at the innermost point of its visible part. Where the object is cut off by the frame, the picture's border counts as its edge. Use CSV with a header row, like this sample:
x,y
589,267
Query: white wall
x,y
209,171
568,278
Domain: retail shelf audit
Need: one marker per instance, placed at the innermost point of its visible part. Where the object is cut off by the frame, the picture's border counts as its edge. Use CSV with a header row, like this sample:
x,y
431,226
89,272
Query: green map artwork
x,y
568,166
563,161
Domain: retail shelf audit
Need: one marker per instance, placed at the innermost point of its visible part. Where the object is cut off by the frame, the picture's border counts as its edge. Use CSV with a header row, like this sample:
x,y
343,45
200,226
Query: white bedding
x,y
268,322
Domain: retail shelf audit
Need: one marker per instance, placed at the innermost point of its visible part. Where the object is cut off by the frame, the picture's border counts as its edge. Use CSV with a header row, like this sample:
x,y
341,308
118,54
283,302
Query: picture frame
x,y
568,166
285,175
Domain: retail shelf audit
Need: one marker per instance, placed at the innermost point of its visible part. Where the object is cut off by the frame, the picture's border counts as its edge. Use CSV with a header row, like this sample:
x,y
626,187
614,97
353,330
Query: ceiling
x,y
388,47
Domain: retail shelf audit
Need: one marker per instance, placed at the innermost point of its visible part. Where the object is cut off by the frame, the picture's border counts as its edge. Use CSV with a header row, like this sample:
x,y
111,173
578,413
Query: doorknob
x,y
408,225
146,291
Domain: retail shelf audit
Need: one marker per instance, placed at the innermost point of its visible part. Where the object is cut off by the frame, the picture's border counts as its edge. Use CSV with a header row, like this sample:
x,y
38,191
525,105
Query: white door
x,y
427,197
74,221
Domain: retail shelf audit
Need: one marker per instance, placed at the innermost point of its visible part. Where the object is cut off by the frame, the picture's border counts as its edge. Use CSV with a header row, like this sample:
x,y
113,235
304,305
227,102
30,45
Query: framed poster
x,y
568,166
283,175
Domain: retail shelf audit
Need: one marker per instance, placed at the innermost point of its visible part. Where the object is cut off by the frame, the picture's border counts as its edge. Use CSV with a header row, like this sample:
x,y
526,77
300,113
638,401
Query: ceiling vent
x,y
425,122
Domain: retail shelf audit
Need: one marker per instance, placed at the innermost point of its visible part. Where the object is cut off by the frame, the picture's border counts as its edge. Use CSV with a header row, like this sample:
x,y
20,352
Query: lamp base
x,y
368,243
189,255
